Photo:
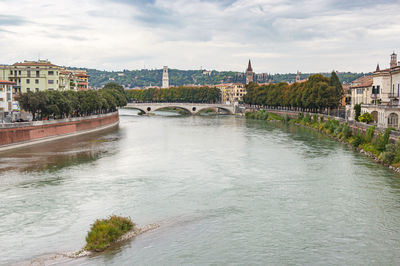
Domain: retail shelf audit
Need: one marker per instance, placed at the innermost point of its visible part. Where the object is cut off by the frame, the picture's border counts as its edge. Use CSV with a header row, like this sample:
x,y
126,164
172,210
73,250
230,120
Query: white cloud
x,y
279,36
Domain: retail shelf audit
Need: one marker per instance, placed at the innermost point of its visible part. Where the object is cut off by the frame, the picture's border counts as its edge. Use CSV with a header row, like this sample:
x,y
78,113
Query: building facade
x,y
381,98
42,75
6,99
232,92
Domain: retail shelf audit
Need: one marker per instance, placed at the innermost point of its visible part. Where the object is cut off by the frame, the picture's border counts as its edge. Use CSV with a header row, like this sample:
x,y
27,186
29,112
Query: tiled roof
x,y
364,81
34,64
7,82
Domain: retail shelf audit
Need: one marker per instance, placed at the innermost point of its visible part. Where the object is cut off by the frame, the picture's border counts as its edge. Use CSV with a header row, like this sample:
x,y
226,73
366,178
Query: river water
x,y
224,191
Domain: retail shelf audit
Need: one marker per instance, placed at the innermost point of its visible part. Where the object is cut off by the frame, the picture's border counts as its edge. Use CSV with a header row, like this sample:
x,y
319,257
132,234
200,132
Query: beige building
x,y
232,92
382,98
6,99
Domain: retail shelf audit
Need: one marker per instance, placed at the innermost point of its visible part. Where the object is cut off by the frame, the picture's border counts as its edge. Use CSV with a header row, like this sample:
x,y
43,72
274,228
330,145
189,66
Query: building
x,y
82,79
42,75
165,78
249,73
232,92
32,76
6,99
381,98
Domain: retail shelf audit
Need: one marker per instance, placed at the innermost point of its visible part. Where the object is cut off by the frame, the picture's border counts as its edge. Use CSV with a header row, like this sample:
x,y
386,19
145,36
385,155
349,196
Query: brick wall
x,y
33,131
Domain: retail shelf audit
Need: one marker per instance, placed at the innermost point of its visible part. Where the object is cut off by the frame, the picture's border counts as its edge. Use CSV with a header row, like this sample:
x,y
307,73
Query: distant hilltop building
x,y
249,73
42,75
165,78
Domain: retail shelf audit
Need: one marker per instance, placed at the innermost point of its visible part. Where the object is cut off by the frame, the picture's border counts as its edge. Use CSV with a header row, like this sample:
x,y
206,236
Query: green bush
x,y
346,131
366,118
307,118
369,134
321,119
106,231
382,141
300,116
358,140
389,154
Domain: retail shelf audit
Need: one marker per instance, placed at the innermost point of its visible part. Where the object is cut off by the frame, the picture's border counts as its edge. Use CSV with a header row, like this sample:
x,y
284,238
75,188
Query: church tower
x,y
249,73
393,60
165,79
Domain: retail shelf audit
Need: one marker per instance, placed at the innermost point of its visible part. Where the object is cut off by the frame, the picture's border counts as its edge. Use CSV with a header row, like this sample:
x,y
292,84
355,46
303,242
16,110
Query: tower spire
x,y
249,68
377,67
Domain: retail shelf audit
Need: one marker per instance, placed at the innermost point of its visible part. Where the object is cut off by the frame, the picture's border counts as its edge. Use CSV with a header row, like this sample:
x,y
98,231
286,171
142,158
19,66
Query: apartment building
x,y
42,75
232,92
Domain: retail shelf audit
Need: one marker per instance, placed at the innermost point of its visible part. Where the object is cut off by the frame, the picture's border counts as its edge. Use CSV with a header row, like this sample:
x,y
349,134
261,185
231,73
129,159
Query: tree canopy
x,y
316,93
176,94
62,104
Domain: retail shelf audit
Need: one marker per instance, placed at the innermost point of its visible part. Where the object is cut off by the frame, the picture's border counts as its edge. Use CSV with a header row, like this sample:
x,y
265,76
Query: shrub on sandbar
x,y
106,231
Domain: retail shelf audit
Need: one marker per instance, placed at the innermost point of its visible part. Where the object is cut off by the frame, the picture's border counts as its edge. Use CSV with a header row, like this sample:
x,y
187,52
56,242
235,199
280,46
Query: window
x,y
51,73
28,81
28,73
28,89
11,72
51,89
37,73
37,89
377,89
36,81
51,81
19,72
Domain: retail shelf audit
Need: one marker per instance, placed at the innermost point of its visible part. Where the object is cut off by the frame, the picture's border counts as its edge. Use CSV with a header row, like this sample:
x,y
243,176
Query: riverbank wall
x,y
16,135
356,126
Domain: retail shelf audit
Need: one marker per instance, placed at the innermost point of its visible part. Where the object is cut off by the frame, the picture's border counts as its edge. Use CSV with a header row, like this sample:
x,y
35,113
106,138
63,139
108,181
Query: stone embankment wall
x,y
27,132
356,126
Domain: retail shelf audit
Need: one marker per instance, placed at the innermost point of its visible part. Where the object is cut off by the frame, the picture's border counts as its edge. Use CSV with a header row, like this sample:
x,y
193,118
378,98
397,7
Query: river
x,y
224,191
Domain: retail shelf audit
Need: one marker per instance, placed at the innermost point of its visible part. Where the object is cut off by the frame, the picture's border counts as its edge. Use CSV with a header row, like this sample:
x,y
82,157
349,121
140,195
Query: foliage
x,y
366,118
61,104
357,109
382,141
106,231
176,94
315,94
369,134
346,131
358,140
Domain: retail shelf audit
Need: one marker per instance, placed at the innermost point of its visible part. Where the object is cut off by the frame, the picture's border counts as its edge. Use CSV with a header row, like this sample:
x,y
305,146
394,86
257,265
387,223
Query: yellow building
x,y
42,75
232,92
32,76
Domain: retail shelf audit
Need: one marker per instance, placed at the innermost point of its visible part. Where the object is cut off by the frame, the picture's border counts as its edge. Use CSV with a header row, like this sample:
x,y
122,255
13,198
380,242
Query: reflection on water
x,y
54,155
225,190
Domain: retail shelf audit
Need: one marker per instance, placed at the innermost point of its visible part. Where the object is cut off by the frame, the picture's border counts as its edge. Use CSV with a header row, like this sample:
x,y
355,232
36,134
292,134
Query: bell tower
x,y
393,60
249,73
165,79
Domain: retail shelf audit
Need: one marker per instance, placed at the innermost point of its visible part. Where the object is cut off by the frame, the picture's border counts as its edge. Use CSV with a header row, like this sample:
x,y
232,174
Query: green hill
x,y
146,77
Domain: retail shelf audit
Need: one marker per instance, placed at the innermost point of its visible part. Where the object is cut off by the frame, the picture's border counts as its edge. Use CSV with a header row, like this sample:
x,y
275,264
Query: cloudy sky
x,y
279,36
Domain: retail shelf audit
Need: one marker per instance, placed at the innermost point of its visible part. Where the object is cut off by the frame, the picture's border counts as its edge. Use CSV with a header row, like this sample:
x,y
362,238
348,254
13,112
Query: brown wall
x,y
51,129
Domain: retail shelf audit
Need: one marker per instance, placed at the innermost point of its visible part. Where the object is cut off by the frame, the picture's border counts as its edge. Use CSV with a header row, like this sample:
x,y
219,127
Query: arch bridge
x,y
190,108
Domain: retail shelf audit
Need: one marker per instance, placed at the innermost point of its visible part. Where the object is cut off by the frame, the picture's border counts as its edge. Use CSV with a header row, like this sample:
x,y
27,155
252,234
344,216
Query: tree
x,y
335,82
357,109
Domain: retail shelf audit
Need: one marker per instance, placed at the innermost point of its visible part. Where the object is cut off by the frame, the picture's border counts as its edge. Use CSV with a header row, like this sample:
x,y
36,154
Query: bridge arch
x,y
138,109
199,110
173,106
